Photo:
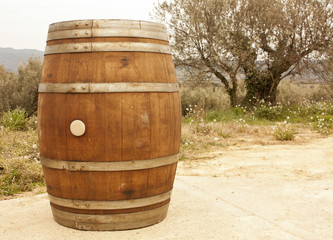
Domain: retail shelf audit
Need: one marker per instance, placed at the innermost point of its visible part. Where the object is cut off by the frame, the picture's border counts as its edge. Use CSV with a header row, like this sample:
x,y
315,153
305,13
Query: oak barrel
x,y
109,123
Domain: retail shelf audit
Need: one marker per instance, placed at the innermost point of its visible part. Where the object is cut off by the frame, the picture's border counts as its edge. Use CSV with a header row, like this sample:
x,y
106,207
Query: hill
x,y
12,58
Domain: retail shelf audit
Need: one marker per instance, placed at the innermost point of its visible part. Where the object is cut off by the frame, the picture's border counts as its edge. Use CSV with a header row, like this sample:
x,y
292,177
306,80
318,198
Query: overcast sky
x,y
24,23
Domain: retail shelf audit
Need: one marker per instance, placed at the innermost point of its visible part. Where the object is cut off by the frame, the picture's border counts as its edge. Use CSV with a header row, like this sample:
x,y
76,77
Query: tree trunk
x,y
232,96
260,88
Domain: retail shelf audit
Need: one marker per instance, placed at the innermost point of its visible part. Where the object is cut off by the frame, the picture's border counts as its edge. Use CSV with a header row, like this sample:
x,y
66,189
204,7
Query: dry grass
x,y
20,169
294,93
226,136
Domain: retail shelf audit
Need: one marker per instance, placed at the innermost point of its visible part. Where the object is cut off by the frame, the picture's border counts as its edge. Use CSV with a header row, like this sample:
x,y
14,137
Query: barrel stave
x,y
135,127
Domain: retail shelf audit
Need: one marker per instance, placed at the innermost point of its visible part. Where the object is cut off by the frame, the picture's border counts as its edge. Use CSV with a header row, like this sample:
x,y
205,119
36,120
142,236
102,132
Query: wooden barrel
x,y
109,123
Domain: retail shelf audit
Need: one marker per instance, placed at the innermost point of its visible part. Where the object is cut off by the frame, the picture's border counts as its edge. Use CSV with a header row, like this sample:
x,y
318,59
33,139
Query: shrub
x,y
272,113
8,85
209,98
323,124
15,120
284,132
29,75
21,89
295,93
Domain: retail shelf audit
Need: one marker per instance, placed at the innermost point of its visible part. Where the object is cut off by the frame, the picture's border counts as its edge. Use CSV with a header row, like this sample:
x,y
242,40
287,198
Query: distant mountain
x,y
12,58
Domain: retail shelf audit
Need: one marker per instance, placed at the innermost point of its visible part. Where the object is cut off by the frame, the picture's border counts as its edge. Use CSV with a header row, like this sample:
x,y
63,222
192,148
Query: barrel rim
x,y
123,221
105,19
106,28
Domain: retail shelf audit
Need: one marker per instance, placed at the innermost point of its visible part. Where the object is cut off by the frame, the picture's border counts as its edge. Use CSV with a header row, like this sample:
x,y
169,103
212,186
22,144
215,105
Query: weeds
x,y
18,175
209,130
15,120
20,169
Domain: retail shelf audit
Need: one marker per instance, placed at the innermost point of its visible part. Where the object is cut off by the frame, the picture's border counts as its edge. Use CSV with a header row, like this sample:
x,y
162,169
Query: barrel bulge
x,y
121,86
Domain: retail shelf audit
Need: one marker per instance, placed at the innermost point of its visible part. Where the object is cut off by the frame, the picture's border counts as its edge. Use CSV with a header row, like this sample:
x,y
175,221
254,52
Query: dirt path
x,y
311,161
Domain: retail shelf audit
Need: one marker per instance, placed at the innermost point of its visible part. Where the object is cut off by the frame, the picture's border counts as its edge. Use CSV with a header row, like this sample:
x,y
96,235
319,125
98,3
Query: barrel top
x,y
106,28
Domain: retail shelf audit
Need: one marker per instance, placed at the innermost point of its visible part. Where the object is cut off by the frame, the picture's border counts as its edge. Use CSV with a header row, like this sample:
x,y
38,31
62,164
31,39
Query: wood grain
x,y
119,126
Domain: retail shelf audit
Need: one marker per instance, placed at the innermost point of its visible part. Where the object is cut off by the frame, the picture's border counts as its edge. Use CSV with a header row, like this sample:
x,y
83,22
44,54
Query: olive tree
x,y
285,35
29,75
263,41
20,90
8,82
201,38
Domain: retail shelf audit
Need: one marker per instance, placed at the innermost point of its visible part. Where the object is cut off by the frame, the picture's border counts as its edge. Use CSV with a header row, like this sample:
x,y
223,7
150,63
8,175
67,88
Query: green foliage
x,y
8,86
18,175
226,115
317,114
323,124
21,89
29,75
15,120
272,113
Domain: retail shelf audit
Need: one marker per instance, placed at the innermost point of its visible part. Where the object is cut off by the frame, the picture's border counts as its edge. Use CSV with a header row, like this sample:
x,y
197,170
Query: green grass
x,y
15,120
317,115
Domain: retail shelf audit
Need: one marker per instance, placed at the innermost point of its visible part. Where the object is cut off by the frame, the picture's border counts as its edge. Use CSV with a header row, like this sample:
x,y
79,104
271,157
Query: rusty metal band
x,y
106,87
106,32
109,166
109,205
107,47
111,221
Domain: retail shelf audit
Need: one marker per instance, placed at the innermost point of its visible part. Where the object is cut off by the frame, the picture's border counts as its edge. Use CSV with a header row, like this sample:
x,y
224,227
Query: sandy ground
x,y
277,192
308,161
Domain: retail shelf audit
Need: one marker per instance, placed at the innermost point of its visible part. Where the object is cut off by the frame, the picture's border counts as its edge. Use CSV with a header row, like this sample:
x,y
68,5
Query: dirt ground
x,y
309,157
281,191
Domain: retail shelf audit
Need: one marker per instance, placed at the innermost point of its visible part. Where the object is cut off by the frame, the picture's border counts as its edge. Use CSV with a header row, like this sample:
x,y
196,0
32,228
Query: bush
x,y
29,75
20,90
15,120
272,113
295,93
284,133
8,86
323,124
208,98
